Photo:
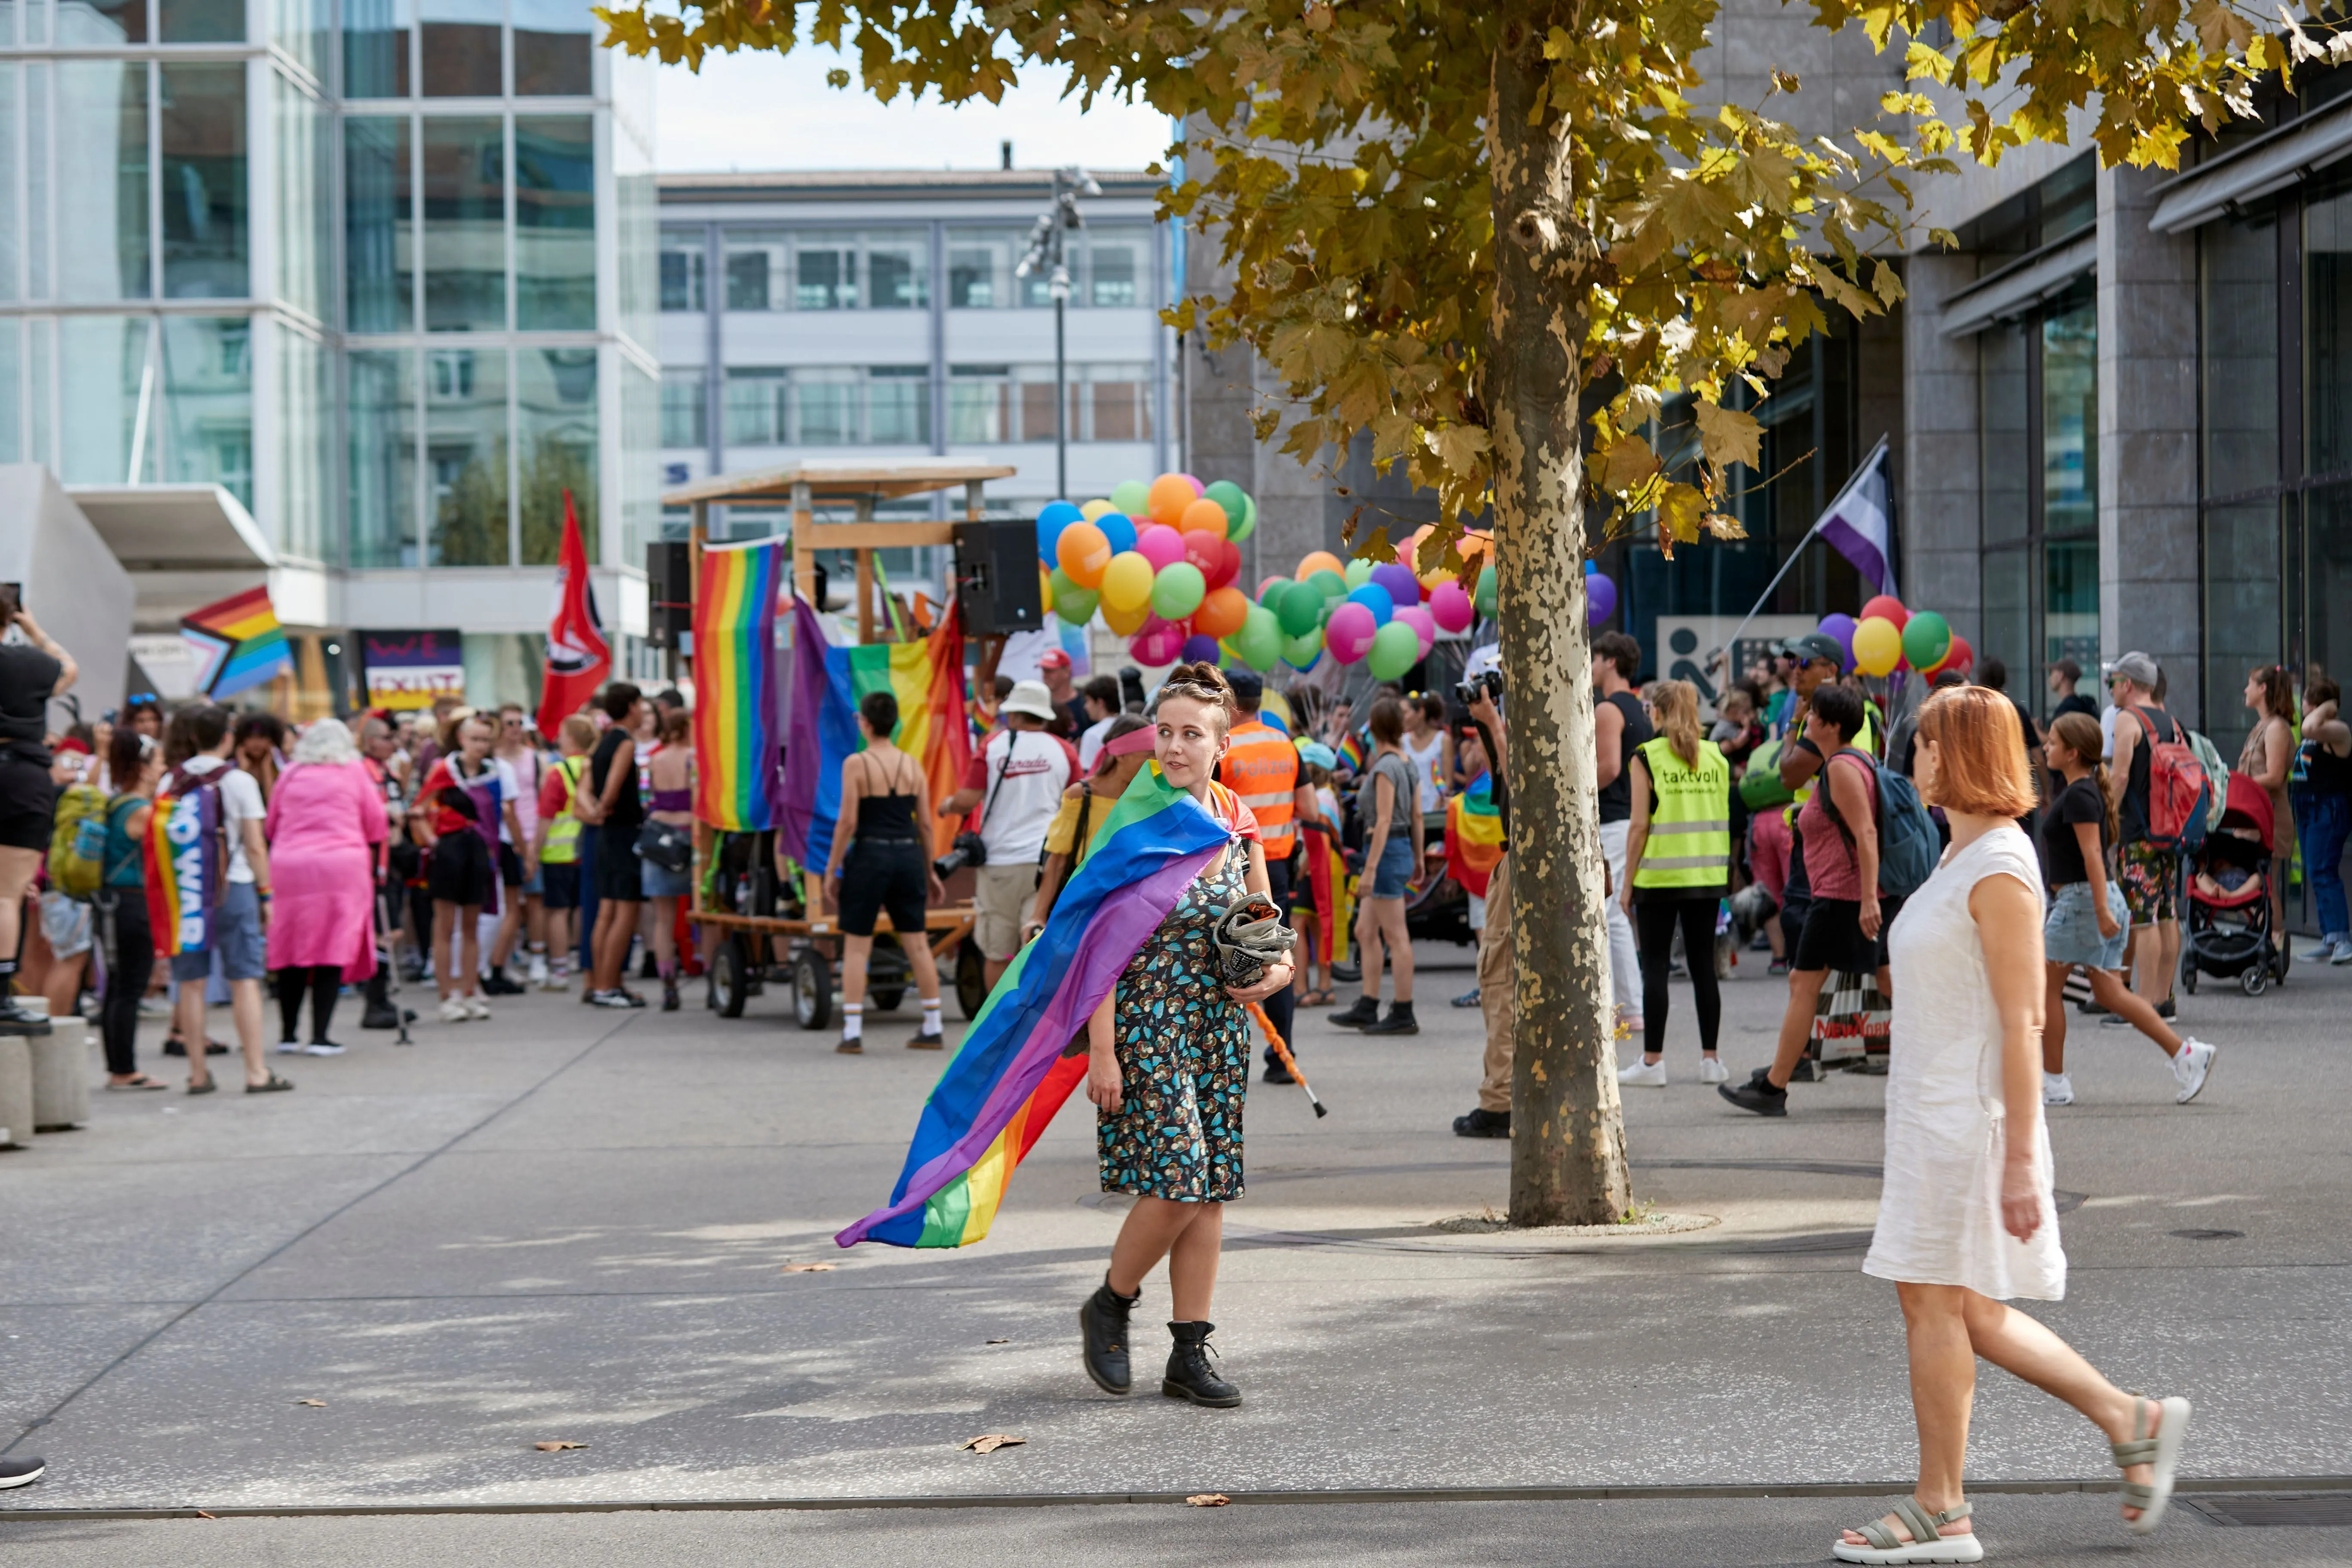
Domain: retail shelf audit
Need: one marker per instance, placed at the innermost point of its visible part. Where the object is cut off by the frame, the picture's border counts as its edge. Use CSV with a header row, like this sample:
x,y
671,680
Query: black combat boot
x,y
1102,1325
1366,1010
1189,1375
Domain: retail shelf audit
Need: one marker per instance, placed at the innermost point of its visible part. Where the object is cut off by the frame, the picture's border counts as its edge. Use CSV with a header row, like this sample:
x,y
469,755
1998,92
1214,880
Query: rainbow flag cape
x,y
240,642
185,858
736,723
1474,834
1326,873
926,677
1027,1049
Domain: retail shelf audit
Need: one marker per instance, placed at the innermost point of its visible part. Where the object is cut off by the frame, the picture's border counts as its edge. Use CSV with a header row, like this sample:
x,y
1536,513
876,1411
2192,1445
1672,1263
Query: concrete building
x,y
386,282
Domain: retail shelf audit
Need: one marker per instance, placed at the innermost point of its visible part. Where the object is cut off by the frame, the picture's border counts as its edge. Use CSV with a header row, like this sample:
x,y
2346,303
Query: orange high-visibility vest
x,y
1261,767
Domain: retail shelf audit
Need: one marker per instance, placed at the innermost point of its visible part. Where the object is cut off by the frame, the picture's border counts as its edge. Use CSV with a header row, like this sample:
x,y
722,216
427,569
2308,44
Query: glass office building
x,y
389,277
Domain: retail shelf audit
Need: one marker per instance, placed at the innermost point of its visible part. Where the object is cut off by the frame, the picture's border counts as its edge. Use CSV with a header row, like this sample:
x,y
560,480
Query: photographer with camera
x,y
1017,782
1480,692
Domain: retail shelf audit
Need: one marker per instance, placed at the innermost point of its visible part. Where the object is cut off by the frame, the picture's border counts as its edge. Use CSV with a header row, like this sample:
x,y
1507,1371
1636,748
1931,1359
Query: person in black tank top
x,y
878,864
2150,873
2320,790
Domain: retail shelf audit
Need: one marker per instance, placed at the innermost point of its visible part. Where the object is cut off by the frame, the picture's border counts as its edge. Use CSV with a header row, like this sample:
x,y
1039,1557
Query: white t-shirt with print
x,y
240,796
1012,825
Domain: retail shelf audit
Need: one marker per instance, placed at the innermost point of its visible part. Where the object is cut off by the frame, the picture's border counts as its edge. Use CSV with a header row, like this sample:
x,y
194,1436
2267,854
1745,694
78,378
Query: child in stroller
x,y
2230,934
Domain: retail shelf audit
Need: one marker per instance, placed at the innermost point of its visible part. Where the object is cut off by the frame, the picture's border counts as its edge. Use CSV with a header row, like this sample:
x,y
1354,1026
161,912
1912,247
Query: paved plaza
x,y
576,1227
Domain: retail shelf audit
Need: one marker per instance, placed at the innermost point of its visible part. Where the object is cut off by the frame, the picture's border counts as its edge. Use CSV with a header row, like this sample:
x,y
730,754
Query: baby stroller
x,y
2229,930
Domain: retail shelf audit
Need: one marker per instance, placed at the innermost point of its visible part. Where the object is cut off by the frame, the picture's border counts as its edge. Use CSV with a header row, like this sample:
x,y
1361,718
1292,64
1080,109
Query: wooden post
x,y
865,514
804,556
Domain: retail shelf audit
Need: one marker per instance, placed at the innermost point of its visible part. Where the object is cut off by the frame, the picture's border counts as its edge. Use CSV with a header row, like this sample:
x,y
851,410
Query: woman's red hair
x,y
1980,766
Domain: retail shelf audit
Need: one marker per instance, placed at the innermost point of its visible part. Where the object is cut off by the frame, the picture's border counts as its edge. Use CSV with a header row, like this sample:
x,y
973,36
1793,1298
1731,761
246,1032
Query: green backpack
x,y
1760,786
78,843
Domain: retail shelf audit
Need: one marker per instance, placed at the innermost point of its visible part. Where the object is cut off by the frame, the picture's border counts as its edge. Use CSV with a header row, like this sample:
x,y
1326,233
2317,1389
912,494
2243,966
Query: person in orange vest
x,y
1261,766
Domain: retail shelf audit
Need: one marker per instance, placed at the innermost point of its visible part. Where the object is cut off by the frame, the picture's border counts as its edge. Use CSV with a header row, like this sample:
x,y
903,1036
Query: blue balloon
x,y
1375,598
1119,529
1055,517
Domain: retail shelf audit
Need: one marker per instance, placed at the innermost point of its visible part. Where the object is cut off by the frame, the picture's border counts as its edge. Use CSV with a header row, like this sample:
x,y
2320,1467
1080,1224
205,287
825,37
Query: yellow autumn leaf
x,y
1729,436
1626,463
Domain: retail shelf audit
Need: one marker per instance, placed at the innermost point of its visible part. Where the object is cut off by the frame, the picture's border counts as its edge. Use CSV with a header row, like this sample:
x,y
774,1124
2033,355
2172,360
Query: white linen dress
x,y
1939,1210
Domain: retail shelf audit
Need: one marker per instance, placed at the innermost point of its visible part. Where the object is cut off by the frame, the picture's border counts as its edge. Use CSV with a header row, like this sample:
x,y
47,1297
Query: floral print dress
x,y
1183,1057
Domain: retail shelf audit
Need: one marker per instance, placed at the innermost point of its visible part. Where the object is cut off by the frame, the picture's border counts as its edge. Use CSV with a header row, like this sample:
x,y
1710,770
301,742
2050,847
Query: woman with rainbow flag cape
x,y
1121,991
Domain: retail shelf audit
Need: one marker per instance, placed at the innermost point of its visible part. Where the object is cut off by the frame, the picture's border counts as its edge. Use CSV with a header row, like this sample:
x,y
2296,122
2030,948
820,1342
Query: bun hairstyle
x,y
1202,683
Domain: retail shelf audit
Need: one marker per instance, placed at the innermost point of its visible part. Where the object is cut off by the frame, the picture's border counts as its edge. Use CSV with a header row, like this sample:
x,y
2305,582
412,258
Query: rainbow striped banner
x,y
1027,1049
738,782
239,641
927,677
1474,835
185,859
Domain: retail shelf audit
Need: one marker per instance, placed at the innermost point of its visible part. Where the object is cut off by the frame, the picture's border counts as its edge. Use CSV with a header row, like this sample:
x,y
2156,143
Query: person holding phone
x,y
33,668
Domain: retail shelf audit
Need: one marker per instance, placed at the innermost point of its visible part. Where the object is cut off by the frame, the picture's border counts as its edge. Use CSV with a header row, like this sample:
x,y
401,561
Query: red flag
x,y
578,657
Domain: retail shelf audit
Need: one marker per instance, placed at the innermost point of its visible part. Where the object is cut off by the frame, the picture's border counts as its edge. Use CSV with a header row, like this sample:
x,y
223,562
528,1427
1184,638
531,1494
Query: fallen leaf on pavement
x,y
809,1268
553,1448
315,1404
201,1514
988,1443
1000,1342
1208,1499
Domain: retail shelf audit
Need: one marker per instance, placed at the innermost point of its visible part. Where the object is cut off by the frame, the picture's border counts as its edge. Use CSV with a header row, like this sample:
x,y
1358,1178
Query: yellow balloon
x,y
1095,508
1125,623
1877,646
1127,582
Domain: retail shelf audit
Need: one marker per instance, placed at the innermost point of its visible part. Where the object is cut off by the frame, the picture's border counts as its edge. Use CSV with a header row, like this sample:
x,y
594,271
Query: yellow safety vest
x,y
1690,828
1261,767
563,831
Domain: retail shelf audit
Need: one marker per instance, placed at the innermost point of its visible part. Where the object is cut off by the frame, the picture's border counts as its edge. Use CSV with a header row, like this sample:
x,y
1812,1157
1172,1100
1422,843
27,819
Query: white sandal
x,y
1928,1543
2161,1451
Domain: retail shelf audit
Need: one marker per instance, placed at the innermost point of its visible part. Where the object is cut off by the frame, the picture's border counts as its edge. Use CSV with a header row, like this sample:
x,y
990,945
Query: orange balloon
x,y
1125,623
1204,515
1476,547
1083,550
1223,613
1315,561
1170,495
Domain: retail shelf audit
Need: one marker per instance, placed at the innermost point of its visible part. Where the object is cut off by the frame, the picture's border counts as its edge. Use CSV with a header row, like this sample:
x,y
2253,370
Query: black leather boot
x,y
1189,1375
1366,1010
1102,1326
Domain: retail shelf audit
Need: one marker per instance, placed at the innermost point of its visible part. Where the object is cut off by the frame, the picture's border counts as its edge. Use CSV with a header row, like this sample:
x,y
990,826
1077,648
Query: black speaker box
x,y
996,578
669,592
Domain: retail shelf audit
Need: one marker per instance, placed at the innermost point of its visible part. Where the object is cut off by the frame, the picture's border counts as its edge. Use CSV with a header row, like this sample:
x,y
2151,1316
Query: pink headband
x,y
1134,741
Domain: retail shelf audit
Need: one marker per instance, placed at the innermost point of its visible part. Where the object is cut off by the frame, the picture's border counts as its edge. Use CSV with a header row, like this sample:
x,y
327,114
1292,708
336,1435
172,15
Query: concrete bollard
x,y
60,1077
15,1092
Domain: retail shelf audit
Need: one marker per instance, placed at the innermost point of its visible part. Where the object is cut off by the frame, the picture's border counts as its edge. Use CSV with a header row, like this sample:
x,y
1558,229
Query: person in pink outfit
x,y
326,829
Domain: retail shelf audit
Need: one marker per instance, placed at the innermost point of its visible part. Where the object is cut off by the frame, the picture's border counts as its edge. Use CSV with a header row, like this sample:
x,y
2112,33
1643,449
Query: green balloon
x,y
1329,583
1360,571
1061,584
1301,652
1248,524
1259,642
1300,611
1178,591
1227,494
1133,496
1484,599
1077,606
1396,647
1926,638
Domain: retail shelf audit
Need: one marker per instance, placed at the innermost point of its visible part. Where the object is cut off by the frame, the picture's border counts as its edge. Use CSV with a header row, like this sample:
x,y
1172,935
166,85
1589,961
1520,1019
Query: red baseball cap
x,y
1054,658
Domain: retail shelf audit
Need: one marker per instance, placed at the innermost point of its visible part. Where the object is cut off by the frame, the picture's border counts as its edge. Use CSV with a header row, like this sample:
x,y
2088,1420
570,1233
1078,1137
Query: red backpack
x,y
2178,790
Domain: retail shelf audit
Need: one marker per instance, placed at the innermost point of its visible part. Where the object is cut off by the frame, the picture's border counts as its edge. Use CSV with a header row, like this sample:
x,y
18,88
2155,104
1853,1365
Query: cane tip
x,y
1321,1109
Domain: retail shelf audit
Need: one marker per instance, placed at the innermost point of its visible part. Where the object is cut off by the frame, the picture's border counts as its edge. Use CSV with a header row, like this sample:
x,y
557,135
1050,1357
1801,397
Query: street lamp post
x,y
1047,251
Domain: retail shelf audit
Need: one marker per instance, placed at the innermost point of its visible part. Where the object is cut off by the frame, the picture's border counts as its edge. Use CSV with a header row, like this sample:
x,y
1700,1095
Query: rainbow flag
x,y
240,642
1027,1049
1474,834
1326,873
736,728
925,676
1353,749
185,858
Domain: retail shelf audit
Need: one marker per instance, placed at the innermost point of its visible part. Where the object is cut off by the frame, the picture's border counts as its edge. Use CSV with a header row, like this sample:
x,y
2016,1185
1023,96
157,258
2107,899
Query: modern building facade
x,y
387,276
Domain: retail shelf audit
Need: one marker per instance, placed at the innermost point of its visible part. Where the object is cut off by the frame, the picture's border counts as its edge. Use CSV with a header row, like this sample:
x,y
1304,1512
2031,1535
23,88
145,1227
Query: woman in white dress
x,y
1966,1222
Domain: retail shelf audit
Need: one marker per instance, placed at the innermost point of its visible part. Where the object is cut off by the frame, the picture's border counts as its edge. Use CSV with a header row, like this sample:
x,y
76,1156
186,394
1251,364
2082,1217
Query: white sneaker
x,y
2057,1088
537,972
289,1047
324,1049
475,1007
1644,1075
1712,1070
2190,1068
452,1010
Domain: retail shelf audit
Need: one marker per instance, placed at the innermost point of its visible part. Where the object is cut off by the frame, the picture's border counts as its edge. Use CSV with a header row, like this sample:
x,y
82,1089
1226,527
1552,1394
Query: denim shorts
x,y
235,935
2069,934
661,882
1395,870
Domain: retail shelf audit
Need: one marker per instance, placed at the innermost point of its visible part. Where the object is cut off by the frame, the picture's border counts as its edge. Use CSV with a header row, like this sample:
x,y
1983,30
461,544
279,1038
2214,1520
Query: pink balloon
x,y
1423,624
1160,642
1160,545
1198,488
1450,606
1349,633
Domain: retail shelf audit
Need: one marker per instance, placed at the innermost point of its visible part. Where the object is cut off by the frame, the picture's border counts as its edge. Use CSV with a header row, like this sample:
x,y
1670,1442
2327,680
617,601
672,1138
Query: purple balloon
x,y
1404,587
1841,626
1201,647
1599,597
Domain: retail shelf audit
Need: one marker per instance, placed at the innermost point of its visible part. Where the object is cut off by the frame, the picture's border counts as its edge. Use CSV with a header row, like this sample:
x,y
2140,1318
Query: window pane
x,y
201,21
465,455
551,45
2008,604
11,235
101,233
204,183
383,414
2004,468
375,47
979,404
555,224
11,401
2069,604
2327,332
681,273
824,408
2243,617
461,50
751,259
683,409
305,418
555,400
304,241
300,27
824,276
207,403
465,224
2070,423
1117,405
102,23
898,405
900,272
379,233
977,273
37,176
1115,271
2239,277
2327,545
1038,391
100,363
755,406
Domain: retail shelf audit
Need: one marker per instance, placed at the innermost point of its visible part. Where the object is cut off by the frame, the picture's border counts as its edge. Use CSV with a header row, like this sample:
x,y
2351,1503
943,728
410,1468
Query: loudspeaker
x,y
996,578
669,592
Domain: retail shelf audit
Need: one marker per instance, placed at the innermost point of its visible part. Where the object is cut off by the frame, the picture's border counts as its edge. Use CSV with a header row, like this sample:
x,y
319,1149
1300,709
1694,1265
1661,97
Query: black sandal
x,y
273,1085
137,1081
209,1086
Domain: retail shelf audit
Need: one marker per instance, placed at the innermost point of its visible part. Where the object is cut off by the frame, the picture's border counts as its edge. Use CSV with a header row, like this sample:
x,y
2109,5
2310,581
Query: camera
x,y
1490,681
967,851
